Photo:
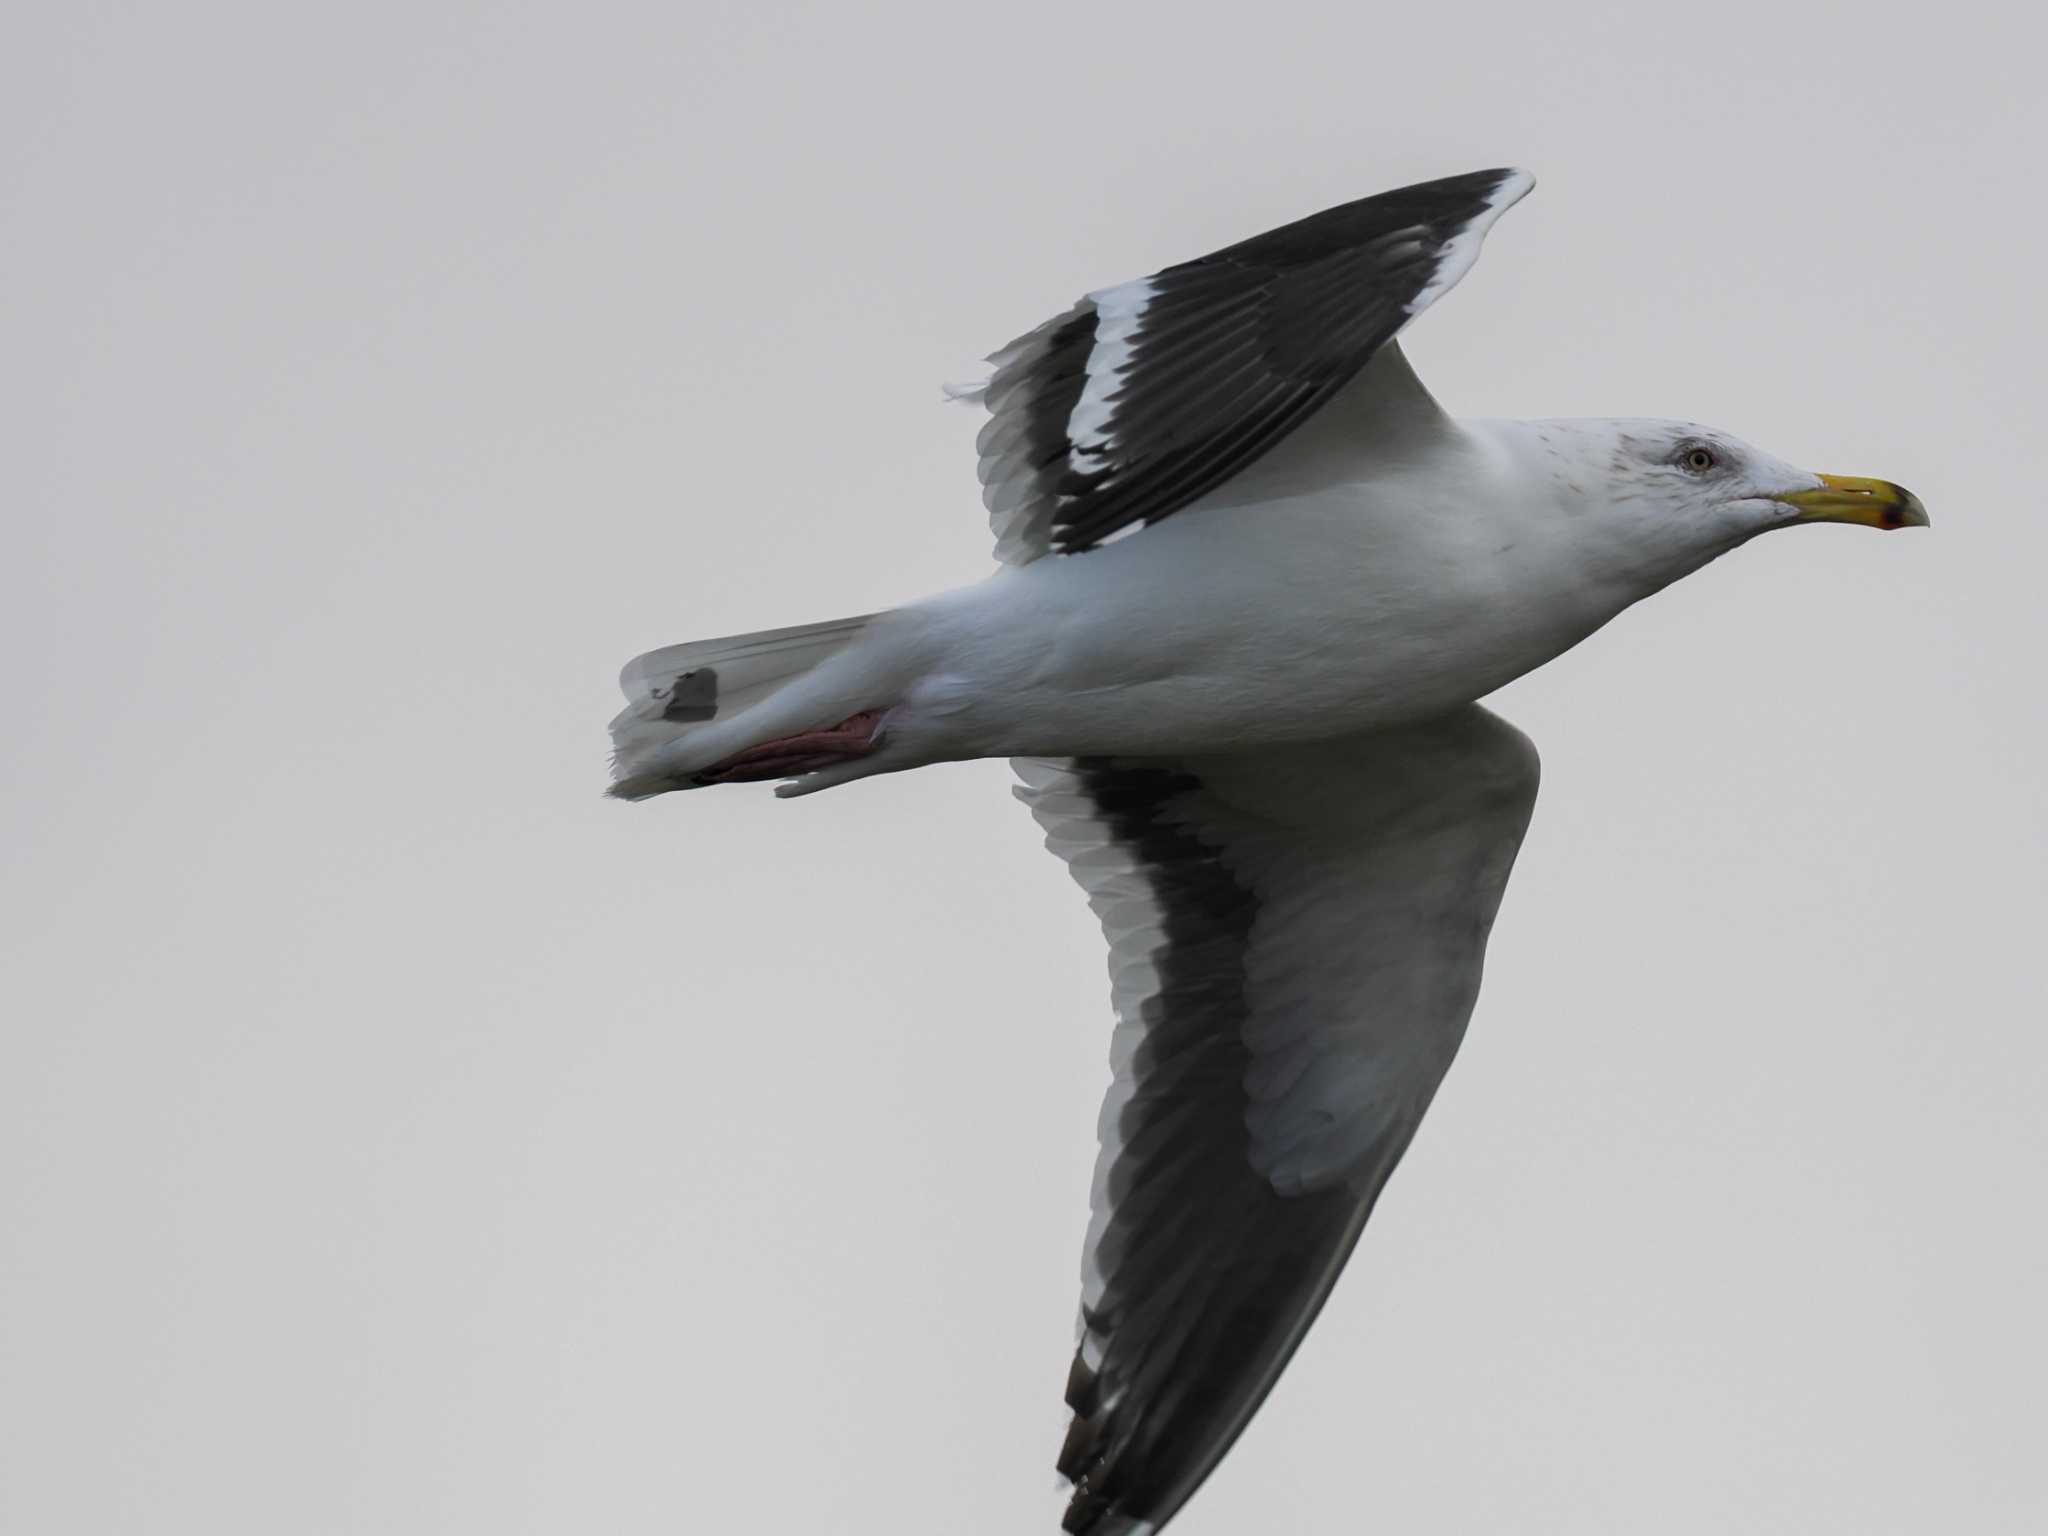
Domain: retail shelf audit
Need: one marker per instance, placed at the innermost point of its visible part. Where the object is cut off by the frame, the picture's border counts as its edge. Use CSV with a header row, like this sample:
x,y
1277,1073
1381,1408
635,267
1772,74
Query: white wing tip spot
x,y
1463,248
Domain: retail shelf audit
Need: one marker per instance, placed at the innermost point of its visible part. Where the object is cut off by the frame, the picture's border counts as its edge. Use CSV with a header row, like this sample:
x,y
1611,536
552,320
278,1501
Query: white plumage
x,y
1254,580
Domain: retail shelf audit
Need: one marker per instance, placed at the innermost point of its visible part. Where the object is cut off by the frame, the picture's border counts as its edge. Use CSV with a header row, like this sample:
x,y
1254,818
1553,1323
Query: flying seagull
x,y
1253,580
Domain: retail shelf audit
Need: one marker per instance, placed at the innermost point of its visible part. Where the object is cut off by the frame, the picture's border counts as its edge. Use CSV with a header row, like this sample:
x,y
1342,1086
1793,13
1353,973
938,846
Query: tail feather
x,y
679,690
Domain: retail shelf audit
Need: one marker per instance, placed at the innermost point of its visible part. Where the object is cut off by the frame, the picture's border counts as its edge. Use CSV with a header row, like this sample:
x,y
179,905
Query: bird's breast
x,y
1288,622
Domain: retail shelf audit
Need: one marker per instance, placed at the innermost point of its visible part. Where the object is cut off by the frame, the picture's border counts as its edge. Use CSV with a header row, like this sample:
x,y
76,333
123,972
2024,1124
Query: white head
x,y
1669,496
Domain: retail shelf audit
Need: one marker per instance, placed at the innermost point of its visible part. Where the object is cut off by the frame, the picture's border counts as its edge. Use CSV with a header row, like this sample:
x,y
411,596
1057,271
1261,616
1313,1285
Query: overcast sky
x,y
396,1137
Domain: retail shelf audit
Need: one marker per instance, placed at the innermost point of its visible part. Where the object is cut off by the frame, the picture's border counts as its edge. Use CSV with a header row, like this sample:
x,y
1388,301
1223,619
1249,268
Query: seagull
x,y
1252,582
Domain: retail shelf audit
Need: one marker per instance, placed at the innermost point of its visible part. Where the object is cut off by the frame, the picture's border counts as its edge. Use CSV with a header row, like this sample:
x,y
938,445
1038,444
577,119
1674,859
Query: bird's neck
x,y
1572,486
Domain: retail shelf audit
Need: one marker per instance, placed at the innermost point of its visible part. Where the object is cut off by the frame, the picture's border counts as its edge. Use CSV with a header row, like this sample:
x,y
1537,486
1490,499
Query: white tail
x,y
680,690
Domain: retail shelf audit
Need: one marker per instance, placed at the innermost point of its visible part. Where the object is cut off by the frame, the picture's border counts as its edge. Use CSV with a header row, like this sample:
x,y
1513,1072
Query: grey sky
x,y
396,1137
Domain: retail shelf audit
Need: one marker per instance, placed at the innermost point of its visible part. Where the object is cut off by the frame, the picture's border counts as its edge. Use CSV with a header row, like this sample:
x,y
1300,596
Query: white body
x,y
1290,606
1317,614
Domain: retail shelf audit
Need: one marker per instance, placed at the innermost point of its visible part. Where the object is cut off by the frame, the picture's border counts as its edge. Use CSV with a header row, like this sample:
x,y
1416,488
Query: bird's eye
x,y
1698,458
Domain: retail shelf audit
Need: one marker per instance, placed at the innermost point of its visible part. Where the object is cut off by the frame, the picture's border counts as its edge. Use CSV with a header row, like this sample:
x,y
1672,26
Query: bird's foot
x,y
805,752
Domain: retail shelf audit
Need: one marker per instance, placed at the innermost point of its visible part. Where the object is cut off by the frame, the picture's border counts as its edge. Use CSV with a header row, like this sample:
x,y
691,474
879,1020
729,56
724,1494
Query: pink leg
x,y
805,752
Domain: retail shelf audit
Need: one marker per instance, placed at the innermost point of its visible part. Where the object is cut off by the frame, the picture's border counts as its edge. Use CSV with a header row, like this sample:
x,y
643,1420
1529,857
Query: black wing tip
x,y
1515,179
1487,183
1093,1508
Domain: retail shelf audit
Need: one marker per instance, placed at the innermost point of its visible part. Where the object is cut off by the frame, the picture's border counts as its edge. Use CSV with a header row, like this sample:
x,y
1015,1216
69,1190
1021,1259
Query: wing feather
x,y
1296,938
1143,398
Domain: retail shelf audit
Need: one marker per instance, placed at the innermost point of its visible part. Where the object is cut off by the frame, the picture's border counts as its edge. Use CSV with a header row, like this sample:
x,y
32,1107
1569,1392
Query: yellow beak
x,y
1850,499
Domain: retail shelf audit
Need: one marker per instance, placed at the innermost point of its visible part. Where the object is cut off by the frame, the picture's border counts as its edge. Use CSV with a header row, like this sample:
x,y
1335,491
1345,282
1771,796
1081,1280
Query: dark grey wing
x,y
1142,398
1295,946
